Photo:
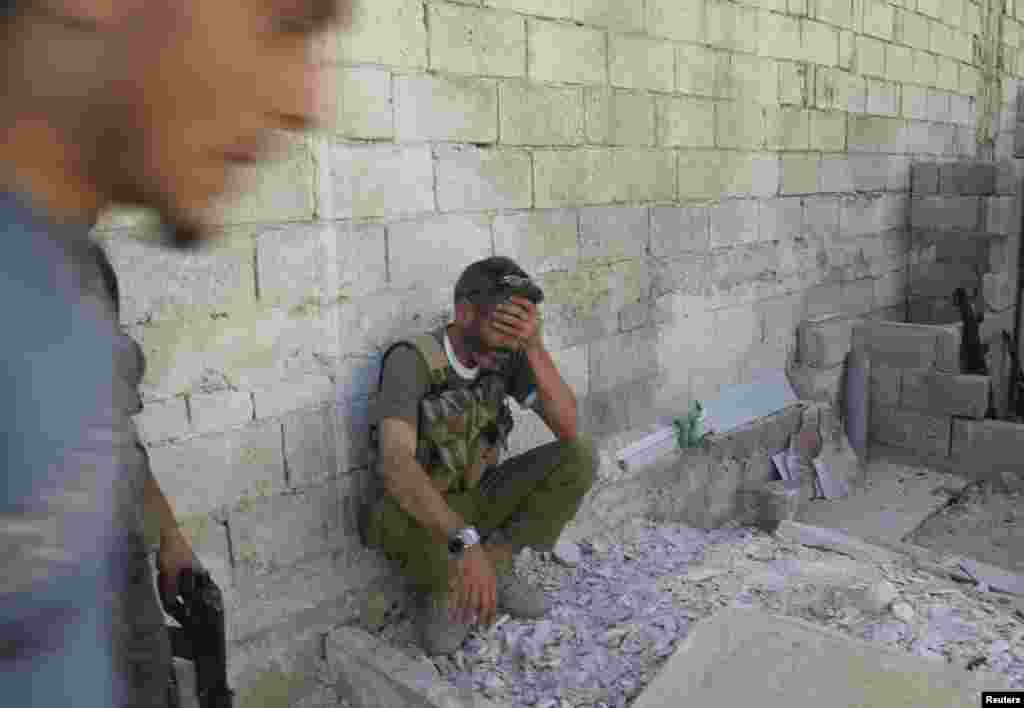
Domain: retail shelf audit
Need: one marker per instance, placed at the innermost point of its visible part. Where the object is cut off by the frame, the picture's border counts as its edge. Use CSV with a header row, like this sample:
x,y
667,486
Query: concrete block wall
x,y
916,388
965,218
690,179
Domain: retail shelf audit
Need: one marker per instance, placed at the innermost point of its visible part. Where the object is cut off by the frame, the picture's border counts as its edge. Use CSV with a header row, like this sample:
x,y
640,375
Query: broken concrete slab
x,y
784,661
992,577
893,502
836,541
373,674
739,405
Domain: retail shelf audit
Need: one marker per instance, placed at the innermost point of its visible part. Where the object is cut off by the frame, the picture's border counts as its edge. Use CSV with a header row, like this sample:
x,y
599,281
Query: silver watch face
x,y
469,536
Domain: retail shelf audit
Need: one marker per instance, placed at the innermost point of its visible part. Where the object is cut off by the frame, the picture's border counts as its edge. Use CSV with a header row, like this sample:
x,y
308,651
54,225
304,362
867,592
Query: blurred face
x,y
482,340
206,86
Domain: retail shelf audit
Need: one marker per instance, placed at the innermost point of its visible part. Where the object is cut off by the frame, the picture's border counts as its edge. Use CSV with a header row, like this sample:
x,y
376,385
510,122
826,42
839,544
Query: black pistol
x,y
199,609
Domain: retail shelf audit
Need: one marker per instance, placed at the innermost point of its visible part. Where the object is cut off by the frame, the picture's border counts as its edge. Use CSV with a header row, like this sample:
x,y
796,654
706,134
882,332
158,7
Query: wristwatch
x,y
461,540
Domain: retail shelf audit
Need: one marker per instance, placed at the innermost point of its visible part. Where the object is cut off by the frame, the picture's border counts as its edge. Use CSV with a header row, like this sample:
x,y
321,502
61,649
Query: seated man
x,y
450,516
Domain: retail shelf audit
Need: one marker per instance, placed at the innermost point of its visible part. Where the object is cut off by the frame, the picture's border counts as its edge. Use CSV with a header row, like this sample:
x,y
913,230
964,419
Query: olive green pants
x,y
528,499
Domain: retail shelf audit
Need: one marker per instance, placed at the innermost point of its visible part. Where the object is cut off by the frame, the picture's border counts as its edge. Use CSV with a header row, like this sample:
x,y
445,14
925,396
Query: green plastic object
x,y
689,430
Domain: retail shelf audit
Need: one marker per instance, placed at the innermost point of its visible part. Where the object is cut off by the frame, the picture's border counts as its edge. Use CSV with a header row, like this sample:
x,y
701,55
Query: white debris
x,y
622,610
567,553
903,612
879,596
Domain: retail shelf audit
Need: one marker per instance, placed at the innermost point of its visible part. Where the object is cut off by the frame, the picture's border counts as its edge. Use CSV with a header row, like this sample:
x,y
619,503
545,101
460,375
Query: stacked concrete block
x,y
917,395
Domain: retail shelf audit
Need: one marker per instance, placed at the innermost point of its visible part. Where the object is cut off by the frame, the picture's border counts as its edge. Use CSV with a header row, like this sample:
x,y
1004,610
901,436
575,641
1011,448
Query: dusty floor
x,y
983,525
619,613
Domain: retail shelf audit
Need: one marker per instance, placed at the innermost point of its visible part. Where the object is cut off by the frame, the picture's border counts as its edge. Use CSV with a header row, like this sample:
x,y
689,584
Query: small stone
x,y
879,596
567,553
903,612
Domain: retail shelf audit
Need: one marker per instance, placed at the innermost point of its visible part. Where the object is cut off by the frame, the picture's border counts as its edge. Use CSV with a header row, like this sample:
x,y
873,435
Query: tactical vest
x,y
459,430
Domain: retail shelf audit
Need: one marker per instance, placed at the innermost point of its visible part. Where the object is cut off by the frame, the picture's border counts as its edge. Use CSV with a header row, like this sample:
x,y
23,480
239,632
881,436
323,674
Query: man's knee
x,y
583,461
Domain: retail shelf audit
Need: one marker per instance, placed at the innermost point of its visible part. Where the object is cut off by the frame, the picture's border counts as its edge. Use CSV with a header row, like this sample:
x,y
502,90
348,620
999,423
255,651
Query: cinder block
x,y
359,103
884,385
704,71
781,219
828,131
860,216
946,212
214,412
836,174
947,352
731,26
229,465
821,216
613,232
570,178
478,41
945,394
476,179
787,128
1007,177
851,299
562,53
985,446
870,173
734,221
883,98
162,420
820,43
924,178
940,279
685,122
779,37
795,84
610,14
962,178
904,346
432,252
870,56
630,116
377,180
799,174
962,110
927,435
457,109
271,534
676,230
825,341
743,78
876,134
739,126
308,391
639,62
998,294
540,115
389,32
1002,216
311,446
676,20
643,175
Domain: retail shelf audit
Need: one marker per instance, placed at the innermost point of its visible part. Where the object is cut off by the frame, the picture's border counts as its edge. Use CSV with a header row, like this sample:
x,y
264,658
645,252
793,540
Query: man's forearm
x,y
418,497
557,400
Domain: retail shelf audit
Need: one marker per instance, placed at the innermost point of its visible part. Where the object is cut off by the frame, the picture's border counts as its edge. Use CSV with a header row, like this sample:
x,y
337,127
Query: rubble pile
x,y
623,601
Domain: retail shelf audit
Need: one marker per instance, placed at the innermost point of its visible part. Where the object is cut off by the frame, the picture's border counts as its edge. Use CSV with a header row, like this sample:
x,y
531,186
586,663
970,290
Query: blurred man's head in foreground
x,y
151,102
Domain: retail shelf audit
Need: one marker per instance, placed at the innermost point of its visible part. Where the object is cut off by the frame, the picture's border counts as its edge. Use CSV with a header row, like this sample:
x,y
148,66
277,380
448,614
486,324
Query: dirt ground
x,y
982,524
